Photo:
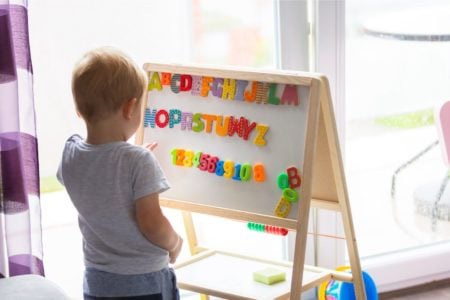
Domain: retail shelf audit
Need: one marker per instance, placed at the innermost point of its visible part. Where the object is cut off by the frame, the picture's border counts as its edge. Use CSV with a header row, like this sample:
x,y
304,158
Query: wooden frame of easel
x,y
323,179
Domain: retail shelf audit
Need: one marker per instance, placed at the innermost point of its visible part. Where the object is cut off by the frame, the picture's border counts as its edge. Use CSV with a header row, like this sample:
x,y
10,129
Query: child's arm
x,y
155,226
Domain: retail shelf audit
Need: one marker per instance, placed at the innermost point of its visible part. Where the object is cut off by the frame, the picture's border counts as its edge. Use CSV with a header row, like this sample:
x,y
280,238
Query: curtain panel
x,y
20,212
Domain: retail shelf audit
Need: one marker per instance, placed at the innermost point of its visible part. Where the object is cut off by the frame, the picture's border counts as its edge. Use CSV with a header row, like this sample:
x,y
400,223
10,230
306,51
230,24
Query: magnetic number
x,y
177,157
246,172
188,156
219,169
204,162
196,160
259,173
212,162
237,172
228,168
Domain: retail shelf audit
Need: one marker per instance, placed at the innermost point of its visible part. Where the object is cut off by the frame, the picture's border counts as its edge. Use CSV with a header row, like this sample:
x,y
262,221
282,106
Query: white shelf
x,y
230,276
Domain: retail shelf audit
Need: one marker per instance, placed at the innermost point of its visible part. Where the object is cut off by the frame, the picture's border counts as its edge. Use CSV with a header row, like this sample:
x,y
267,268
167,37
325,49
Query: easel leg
x,y
192,239
331,142
353,254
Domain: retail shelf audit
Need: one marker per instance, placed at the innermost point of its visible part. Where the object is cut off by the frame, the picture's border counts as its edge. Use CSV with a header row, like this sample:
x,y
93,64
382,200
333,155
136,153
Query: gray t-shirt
x,y
103,182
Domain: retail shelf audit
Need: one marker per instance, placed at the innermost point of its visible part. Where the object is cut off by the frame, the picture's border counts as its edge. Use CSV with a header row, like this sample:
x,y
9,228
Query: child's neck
x,y
105,131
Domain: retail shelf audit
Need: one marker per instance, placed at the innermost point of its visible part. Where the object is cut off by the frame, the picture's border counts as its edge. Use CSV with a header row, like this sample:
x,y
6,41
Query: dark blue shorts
x,y
159,285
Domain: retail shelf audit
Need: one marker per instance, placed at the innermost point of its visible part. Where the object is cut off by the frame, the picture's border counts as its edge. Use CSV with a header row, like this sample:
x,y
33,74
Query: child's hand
x,y
151,146
176,251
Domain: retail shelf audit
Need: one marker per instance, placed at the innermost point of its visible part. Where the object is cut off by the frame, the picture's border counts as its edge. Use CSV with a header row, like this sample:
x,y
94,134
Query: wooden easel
x,y
323,186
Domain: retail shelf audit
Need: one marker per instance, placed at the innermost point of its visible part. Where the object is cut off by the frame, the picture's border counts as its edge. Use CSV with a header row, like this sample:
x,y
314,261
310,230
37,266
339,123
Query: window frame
x,y
312,49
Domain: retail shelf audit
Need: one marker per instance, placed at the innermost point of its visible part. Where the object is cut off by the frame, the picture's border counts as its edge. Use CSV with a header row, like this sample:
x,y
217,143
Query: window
x,y
240,33
397,73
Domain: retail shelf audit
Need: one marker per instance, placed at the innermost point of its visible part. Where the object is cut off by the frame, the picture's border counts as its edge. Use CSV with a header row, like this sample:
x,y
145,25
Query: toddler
x,y
127,241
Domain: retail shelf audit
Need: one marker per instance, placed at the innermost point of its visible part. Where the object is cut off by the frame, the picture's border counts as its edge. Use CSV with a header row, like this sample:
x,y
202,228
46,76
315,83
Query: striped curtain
x,y
20,212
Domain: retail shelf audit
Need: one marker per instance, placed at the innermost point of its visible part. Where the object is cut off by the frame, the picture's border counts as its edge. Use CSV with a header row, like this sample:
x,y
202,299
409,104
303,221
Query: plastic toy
x,y
259,173
240,89
290,95
196,85
267,228
154,82
273,99
283,181
173,83
294,177
340,290
261,131
228,89
237,172
219,170
213,164
246,172
165,78
209,122
282,208
206,86
185,83
159,123
290,195
174,117
228,168
261,92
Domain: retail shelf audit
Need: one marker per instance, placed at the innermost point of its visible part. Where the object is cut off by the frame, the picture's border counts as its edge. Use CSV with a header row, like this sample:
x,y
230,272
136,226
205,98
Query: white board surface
x,y
285,145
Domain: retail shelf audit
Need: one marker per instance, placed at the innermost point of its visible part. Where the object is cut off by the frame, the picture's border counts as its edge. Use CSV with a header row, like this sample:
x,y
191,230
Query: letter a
x,y
155,82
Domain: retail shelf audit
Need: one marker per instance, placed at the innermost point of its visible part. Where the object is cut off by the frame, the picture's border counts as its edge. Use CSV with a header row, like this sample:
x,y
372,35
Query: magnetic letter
x,y
261,92
174,83
196,85
235,126
222,125
261,131
290,95
185,83
159,123
149,118
175,117
283,208
240,89
209,121
155,82
228,89
186,121
206,86
246,129
197,119
294,178
165,78
250,96
217,87
273,99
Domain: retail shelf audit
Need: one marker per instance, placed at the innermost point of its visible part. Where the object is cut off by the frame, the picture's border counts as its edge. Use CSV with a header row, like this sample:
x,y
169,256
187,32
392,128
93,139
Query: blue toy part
x,y
341,290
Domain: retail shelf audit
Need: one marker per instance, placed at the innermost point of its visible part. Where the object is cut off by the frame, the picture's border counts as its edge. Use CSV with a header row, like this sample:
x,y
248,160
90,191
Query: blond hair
x,y
103,80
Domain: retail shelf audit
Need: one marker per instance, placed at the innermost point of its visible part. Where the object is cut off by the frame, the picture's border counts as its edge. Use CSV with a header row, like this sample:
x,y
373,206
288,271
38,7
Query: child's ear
x,y
128,108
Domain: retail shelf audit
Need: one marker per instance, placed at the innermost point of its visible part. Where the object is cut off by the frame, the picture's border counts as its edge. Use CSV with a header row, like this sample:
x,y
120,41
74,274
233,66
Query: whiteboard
x,y
284,141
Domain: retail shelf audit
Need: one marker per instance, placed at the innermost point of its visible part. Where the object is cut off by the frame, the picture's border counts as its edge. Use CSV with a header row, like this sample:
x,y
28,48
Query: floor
x,y
436,291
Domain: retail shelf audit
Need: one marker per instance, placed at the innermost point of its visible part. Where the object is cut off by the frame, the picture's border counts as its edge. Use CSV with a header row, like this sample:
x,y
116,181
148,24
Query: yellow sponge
x,y
269,276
